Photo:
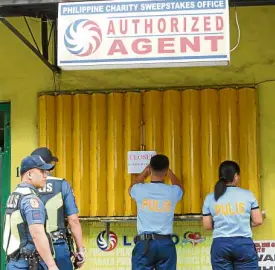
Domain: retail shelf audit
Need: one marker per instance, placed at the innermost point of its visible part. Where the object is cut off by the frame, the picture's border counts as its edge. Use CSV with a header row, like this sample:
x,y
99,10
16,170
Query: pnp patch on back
x,y
47,189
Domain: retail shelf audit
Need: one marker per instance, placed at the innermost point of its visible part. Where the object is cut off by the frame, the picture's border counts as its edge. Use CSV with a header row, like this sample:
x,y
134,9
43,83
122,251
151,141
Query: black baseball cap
x,y
34,162
45,153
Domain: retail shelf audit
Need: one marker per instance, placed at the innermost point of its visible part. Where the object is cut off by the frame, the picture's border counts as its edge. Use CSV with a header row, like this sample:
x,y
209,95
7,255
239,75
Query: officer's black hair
x,y
227,171
159,163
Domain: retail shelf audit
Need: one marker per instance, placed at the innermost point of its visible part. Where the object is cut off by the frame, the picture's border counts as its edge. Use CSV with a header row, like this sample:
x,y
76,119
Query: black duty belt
x,y
26,257
149,237
24,254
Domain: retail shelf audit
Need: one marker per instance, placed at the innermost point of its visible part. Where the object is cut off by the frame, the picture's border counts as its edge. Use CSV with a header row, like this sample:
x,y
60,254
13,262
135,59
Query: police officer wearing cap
x,y
25,240
156,201
59,200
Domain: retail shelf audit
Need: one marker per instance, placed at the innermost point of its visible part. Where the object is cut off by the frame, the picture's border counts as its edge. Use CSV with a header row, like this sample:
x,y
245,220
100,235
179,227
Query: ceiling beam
x,y
43,57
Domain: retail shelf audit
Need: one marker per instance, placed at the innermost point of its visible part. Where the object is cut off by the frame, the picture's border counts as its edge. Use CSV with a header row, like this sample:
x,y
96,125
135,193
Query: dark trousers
x,y
62,259
161,255
23,264
62,255
238,253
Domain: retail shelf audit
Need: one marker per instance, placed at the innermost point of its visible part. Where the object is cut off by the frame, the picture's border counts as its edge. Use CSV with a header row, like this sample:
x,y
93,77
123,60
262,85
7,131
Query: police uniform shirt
x,y
33,211
231,213
68,197
155,206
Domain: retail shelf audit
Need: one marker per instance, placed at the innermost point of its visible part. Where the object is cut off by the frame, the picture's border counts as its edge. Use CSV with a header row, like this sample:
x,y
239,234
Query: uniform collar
x,y
28,186
231,186
157,182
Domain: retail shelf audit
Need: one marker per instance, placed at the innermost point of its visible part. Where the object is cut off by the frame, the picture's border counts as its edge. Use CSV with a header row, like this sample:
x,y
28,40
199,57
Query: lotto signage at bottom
x,y
108,243
113,251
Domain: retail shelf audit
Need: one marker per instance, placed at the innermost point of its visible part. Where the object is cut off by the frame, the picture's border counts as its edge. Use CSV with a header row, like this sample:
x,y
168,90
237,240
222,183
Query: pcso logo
x,y
83,37
103,244
192,237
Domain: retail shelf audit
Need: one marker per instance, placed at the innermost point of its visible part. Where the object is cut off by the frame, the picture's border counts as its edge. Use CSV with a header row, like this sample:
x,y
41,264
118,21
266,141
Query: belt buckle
x,y
55,236
144,237
149,236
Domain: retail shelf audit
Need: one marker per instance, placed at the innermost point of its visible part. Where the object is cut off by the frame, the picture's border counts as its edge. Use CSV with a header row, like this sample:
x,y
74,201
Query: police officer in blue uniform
x,y
156,201
25,240
231,212
60,202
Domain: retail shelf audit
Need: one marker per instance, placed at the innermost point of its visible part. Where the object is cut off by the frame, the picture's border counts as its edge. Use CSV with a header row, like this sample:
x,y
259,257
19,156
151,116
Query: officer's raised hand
x,y
141,177
147,171
174,180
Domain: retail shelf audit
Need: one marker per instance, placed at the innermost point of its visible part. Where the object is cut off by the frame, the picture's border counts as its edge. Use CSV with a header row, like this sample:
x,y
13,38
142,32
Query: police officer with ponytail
x,y
60,204
230,212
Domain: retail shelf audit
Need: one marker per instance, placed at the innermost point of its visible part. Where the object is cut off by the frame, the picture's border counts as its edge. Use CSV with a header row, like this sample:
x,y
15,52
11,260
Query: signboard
x,y
138,160
266,254
192,244
140,33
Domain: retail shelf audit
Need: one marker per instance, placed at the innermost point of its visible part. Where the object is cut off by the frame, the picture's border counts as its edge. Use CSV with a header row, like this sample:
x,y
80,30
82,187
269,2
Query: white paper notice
x,y
138,160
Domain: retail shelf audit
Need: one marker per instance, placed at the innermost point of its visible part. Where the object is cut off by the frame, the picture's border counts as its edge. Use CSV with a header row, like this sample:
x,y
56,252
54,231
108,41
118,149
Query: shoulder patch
x,y
36,215
23,190
34,203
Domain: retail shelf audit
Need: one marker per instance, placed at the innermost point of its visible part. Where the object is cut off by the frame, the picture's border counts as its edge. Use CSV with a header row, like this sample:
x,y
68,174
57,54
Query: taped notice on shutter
x,y
138,160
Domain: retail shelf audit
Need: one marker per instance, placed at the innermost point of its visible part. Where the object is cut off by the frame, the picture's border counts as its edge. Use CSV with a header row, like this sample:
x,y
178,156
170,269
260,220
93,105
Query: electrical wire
x,y
239,31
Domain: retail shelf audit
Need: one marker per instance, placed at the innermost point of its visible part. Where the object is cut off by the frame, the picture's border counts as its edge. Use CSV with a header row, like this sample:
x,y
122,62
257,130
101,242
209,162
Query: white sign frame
x,y
88,35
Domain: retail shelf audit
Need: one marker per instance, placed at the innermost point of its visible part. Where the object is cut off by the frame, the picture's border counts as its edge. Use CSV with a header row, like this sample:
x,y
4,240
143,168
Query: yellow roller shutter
x,y
197,129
